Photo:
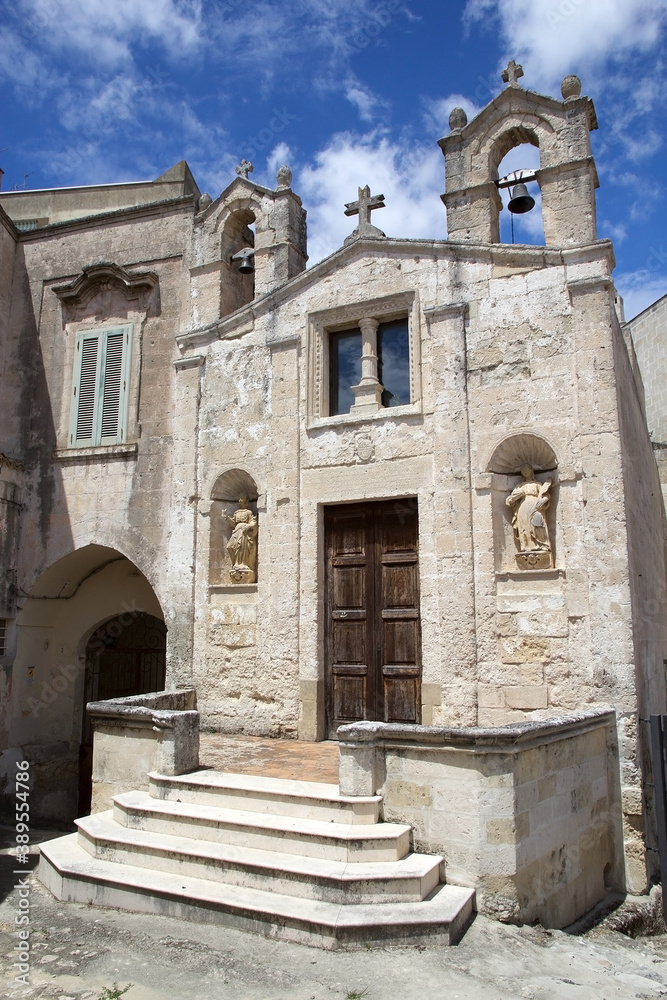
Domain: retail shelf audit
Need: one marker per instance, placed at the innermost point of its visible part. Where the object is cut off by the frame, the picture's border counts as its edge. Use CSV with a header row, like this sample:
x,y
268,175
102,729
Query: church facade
x,y
411,484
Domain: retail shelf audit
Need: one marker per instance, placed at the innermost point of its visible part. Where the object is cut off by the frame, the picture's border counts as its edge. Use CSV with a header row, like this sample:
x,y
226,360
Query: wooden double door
x,y
373,635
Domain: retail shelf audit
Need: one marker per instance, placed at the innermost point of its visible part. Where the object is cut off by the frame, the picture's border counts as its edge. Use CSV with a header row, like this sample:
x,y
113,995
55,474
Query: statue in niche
x,y
242,546
529,501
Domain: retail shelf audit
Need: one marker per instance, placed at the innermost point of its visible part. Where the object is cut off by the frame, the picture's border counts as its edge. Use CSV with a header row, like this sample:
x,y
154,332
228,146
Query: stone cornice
x,y
56,229
532,257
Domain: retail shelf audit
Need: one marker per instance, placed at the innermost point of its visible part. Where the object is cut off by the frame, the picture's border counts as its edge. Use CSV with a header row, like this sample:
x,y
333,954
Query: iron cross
x,y
365,205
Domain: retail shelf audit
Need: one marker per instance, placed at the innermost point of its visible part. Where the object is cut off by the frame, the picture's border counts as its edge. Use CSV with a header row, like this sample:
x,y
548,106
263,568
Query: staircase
x,y
293,860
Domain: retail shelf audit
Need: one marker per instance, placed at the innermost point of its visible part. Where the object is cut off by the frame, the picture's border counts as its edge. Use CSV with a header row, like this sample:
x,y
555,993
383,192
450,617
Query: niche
x,y
234,539
524,492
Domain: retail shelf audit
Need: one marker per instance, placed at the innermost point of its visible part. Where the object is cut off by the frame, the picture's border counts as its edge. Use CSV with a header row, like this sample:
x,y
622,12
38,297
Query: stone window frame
x,y
326,321
86,304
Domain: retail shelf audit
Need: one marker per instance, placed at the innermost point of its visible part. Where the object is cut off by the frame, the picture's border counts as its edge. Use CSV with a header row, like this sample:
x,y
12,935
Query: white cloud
x,y
410,177
615,231
106,32
264,36
639,289
641,196
555,37
21,64
366,103
280,155
438,110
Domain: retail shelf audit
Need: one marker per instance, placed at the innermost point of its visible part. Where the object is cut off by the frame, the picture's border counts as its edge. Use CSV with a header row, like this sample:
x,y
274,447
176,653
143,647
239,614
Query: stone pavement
x,y
78,951
274,758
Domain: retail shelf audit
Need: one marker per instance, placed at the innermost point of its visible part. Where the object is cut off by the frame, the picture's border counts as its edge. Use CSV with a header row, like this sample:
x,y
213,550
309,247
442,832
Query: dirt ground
x,y
79,952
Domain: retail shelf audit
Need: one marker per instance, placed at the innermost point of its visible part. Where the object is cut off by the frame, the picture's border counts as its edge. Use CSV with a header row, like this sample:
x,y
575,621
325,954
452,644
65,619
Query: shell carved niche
x,y
234,529
524,471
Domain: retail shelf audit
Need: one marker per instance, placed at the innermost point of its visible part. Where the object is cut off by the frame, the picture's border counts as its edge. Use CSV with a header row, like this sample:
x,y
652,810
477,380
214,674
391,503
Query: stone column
x,y
368,394
179,609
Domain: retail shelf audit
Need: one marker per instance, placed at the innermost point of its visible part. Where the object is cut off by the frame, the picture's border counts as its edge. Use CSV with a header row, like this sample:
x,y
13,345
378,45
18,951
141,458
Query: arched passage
x,y
124,656
69,602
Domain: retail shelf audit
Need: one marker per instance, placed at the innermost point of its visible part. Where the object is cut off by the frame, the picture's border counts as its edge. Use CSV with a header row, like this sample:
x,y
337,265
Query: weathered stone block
x,y
525,650
490,696
527,698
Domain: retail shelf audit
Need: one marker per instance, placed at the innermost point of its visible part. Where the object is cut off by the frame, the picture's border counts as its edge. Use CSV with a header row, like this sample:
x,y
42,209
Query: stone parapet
x,y
135,735
526,813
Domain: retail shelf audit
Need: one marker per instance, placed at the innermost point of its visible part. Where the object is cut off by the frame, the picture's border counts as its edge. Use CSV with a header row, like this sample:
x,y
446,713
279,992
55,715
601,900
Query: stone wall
x,y
648,586
527,813
649,334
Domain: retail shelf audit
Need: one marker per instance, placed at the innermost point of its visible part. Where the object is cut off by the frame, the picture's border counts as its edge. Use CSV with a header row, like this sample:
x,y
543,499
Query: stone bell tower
x,y
269,224
567,176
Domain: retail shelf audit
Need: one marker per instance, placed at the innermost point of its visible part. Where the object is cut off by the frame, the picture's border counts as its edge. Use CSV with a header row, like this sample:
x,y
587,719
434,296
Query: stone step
x,y
71,874
257,793
409,880
285,834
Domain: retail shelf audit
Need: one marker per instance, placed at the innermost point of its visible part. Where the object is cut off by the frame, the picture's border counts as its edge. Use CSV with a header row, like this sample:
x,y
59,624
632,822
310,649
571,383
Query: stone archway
x,y
67,604
124,656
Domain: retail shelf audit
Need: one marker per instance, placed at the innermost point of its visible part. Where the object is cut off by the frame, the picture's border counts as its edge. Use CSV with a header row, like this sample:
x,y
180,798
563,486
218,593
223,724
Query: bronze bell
x,y
520,202
246,266
246,263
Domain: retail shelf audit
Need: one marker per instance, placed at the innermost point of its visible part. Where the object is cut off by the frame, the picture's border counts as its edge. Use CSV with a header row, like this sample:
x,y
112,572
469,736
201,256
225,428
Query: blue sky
x,y
347,92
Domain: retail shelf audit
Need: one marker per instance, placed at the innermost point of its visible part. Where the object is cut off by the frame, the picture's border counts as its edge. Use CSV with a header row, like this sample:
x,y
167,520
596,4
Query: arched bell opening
x,y
93,588
237,287
515,160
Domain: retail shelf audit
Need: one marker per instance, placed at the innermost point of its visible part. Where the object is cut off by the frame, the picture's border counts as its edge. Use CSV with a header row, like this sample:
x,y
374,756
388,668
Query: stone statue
x,y
242,546
529,501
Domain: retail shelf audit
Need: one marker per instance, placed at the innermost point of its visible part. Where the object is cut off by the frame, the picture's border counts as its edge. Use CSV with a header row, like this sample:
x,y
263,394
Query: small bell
x,y
520,202
246,263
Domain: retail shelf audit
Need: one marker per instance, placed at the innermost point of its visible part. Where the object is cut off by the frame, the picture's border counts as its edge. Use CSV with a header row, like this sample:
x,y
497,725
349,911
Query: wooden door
x,y
372,641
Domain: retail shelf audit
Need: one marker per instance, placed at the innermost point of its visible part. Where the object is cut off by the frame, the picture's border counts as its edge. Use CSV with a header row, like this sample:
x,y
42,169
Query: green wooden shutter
x,y
112,386
100,387
85,389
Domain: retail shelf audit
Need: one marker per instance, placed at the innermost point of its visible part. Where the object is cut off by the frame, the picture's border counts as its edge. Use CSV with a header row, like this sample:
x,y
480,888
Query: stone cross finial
x,y
365,204
244,168
512,73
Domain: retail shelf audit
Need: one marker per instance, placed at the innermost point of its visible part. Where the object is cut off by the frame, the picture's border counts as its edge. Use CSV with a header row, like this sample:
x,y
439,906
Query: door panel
x,y
349,586
401,695
373,648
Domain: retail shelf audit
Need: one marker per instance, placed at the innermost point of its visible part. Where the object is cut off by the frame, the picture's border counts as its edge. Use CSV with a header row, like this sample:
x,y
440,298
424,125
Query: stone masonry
x,y
515,359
